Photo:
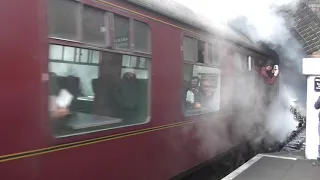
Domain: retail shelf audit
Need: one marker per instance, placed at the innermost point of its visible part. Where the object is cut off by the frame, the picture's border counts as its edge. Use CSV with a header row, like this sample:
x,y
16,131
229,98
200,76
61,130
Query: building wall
x,y
306,28
315,6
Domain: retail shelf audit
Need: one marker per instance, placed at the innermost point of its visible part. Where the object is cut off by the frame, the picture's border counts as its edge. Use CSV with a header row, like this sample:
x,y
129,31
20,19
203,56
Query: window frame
x,y
149,39
243,63
201,111
214,43
113,45
196,38
109,34
106,130
205,52
249,62
205,64
209,61
79,26
74,60
78,22
107,19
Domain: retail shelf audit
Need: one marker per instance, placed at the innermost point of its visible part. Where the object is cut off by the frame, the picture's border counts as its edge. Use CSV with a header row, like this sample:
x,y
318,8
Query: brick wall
x,y
306,28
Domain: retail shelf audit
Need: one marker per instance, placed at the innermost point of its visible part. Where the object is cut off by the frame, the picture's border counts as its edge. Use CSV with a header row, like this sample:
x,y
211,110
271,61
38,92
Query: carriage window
x,y
245,83
210,54
240,62
68,54
93,91
201,89
94,25
141,36
201,51
122,32
189,49
55,52
62,16
213,54
250,63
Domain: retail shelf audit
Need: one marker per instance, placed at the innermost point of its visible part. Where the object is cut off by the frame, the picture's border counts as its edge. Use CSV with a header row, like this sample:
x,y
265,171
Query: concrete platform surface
x,y
277,166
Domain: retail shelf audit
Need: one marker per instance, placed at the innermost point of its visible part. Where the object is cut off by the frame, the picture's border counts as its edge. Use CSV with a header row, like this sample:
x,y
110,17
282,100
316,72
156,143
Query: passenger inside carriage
x,y
206,92
108,90
192,95
201,89
110,97
116,98
127,97
199,94
56,112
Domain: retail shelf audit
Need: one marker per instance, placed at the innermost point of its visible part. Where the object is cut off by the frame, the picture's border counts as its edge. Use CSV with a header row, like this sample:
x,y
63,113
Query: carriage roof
x,y
179,12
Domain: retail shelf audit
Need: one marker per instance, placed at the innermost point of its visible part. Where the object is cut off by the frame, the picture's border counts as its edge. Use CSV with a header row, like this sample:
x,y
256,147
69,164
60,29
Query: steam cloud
x,y
261,21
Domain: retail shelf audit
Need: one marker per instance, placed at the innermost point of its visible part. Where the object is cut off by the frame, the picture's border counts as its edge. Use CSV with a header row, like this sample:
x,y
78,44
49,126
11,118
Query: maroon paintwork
x,y
156,155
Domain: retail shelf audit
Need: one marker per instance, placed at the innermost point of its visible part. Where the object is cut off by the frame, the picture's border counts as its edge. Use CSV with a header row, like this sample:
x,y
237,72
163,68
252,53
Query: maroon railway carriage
x,y
128,66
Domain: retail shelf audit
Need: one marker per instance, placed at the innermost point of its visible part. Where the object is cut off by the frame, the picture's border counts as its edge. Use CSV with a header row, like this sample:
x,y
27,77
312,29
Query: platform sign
x,y
317,84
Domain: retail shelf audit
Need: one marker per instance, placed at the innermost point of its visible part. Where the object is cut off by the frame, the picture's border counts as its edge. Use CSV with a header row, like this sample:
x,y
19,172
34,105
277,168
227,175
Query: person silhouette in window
x,y
128,97
206,92
55,111
192,97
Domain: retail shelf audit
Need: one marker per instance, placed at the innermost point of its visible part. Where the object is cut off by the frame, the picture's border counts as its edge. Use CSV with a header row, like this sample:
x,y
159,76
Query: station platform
x,y
277,166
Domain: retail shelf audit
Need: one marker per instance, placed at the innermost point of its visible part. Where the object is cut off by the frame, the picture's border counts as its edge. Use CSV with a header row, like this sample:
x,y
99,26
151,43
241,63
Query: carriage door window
x,y
63,19
201,51
142,37
210,53
244,82
213,54
121,32
201,89
250,63
189,49
240,62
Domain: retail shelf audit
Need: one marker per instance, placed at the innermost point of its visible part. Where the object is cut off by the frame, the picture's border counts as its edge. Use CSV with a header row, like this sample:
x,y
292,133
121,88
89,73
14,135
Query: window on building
x,y
99,90
201,51
94,24
122,32
189,49
201,89
63,19
142,36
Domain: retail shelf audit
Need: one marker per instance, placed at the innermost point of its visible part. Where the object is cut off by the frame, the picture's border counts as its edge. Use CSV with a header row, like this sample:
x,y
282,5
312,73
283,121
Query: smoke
x,y
260,21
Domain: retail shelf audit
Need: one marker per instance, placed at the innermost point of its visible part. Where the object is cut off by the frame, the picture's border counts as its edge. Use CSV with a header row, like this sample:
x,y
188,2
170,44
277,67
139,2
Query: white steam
x,y
279,119
260,13
262,22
